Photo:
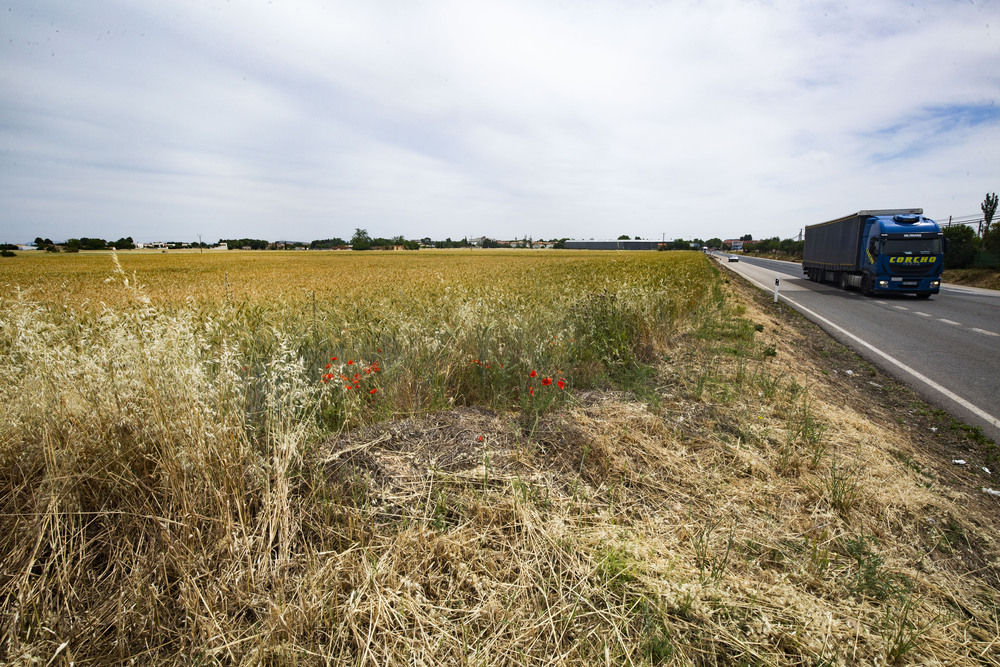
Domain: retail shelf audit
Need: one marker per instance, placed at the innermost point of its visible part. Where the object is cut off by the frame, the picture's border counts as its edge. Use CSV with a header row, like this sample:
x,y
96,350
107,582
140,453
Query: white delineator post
x,y
777,280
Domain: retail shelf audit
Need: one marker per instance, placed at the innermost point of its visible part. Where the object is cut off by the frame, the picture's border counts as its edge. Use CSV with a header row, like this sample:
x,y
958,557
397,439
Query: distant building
x,y
612,245
734,244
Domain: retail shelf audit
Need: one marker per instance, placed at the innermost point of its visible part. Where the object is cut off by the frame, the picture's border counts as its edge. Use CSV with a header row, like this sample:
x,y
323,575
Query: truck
x,y
895,251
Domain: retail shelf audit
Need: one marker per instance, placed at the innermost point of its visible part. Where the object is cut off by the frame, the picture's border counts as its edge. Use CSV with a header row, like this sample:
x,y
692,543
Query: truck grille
x,y
918,270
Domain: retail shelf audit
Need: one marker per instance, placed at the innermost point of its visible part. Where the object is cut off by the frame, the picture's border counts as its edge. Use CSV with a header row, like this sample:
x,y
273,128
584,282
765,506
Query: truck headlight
x,y
935,283
883,283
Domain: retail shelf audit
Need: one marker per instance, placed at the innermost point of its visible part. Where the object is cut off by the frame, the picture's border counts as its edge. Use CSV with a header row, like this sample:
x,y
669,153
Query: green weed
x,y
842,488
871,578
899,630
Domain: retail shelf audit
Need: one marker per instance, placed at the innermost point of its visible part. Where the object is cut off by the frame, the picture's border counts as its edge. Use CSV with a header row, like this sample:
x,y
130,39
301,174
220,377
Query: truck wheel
x,y
842,280
866,285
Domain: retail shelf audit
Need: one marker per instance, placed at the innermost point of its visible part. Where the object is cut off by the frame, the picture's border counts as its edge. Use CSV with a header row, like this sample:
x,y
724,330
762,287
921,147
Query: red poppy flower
x,y
480,438
561,384
373,390
531,390
333,358
328,365
350,361
533,374
347,386
546,381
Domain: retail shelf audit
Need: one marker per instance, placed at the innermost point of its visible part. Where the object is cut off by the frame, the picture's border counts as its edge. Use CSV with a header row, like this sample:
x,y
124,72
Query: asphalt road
x,y
947,347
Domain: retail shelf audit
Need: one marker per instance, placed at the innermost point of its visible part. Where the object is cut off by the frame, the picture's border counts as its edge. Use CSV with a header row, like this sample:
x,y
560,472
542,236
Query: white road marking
x,y
884,303
917,312
979,412
900,307
984,331
956,324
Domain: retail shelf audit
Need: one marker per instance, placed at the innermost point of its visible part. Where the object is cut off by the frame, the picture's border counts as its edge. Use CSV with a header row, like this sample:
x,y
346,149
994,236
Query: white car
x,y
734,258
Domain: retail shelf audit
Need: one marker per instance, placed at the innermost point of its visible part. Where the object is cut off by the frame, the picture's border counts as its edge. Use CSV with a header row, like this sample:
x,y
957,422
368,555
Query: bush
x,y
962,246
991,239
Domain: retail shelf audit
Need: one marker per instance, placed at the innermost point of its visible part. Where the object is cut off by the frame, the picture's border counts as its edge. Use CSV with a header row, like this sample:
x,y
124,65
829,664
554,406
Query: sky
x,y
297,120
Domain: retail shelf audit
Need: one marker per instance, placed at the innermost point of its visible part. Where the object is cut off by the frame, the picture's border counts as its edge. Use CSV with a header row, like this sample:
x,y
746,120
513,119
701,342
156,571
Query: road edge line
x,y
982,414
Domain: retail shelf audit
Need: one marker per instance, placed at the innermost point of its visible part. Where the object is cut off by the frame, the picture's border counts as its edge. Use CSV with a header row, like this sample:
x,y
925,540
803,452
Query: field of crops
x,y
426,330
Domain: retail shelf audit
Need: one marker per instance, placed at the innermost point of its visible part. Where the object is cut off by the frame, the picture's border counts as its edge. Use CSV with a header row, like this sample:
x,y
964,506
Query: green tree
x,y
624,237
236,244
962,245
361,240
45,244
92,244
989,207
335,242
991,240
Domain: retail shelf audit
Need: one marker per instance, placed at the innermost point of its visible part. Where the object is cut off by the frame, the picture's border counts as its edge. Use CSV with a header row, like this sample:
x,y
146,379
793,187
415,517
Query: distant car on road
x,y
734,258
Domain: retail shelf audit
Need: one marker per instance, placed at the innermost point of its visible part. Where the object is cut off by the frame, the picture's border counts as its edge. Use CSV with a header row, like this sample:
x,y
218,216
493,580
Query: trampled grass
x,y
436,458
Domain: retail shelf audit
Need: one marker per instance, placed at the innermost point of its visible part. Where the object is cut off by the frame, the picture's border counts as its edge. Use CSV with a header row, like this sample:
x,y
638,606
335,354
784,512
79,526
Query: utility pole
x,y
201,246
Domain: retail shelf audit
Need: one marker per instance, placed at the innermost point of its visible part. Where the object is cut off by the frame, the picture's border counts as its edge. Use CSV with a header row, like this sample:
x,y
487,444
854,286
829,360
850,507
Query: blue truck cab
x,y
878,252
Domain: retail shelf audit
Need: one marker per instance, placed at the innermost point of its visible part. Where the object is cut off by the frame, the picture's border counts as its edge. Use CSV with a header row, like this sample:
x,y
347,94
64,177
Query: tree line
x,y
968,247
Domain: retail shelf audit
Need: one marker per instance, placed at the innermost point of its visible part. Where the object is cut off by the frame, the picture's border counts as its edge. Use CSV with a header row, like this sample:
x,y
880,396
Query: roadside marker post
x,y
777,280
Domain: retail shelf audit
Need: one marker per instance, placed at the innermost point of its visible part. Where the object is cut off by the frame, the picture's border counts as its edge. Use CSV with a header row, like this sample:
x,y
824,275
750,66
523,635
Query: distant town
x,y
362,241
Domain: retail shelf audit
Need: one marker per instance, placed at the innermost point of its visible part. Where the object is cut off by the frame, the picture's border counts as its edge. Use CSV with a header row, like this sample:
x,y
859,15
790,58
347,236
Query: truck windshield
x,y
912,246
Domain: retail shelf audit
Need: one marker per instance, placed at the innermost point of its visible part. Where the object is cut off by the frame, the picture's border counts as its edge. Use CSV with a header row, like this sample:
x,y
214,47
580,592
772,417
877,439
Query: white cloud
x,y
308,119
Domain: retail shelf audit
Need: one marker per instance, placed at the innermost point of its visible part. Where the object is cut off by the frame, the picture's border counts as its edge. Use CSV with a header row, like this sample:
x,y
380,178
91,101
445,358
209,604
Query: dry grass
x,y
985,278
174,493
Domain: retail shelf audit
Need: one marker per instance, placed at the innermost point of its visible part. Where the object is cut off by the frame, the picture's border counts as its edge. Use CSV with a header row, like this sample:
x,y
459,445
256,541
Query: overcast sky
x,y
298,120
